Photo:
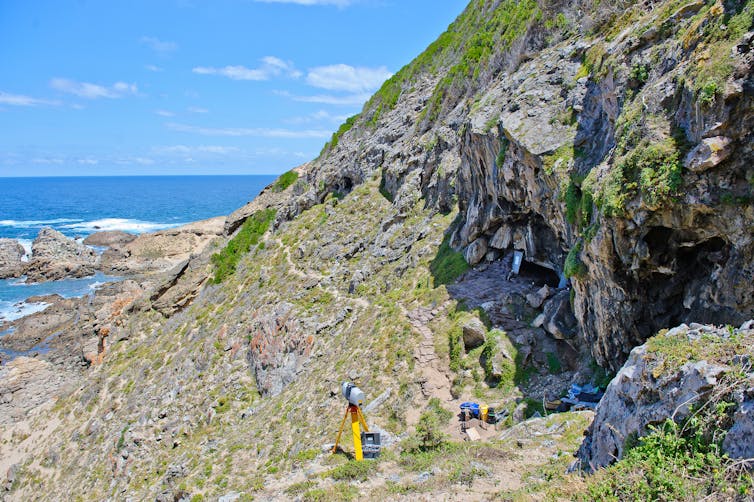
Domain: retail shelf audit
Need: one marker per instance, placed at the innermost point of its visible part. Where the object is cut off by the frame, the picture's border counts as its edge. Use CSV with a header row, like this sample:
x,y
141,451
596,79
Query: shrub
x,y
428,434
573,266
344,128
708,93
351,471
251,232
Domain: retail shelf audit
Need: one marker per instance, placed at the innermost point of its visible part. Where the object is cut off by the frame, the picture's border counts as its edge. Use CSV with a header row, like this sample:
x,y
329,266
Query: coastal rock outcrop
x,y
671,376
109,238
55,256
161,251
11,258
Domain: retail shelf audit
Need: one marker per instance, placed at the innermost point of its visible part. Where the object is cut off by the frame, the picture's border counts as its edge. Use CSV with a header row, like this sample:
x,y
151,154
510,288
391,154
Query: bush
x,y
428,435
351,471
573,266
251,232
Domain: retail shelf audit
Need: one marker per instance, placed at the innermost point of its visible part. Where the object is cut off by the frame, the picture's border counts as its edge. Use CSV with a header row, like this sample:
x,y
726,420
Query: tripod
x,y
356,418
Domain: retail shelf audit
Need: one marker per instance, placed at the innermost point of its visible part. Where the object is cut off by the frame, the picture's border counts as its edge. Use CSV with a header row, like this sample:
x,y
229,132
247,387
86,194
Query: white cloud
x,y
196,109
270,67
153,68
255,132
319,116
47,160
93,91
338,3
329,99
192,150
164,113
21,100
343,77
88,161
159,46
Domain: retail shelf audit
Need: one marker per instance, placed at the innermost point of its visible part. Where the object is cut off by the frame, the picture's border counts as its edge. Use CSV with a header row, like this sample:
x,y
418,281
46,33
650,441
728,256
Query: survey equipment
x,y
355,398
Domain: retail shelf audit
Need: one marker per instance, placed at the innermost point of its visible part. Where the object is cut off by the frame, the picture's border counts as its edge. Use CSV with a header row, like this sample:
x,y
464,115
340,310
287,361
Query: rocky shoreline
x,y
71,334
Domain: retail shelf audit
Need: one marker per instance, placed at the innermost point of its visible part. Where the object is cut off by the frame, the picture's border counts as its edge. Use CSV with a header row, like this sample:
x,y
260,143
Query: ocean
x,y
79,206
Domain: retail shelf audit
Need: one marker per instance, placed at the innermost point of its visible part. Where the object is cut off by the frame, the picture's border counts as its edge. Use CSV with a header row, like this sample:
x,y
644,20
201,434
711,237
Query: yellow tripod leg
x,y
355,419
340,431
363,420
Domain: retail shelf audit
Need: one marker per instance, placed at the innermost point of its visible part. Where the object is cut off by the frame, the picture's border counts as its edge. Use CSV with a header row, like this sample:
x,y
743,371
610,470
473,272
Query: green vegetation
x,y
559,160
654,170
351,471
447,264
573,266
285,180
249,235
640,73
677,462
506,370
504,143
455,347
429,435
500,28
344,128
553,363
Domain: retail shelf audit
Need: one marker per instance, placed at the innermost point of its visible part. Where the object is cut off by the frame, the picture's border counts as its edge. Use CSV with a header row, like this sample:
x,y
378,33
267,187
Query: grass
x,y
448,264
252,230
285,180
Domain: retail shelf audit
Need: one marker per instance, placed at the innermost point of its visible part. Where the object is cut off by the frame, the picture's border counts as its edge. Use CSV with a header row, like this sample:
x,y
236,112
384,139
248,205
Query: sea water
x,y
79,206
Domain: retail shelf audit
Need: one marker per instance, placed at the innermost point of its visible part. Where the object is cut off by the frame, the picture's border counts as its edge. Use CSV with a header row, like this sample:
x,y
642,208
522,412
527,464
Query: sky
x,y
156,87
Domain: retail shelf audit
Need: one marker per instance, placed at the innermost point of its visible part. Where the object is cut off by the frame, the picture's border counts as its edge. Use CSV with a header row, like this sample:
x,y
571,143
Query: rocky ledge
x,y
671,376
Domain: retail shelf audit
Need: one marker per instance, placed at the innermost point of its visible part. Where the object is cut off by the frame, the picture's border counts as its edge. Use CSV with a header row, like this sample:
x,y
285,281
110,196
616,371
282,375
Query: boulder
x,y
55,256
648,390
11,258
537,299
708,154
476,251
474,332
559,320
109,238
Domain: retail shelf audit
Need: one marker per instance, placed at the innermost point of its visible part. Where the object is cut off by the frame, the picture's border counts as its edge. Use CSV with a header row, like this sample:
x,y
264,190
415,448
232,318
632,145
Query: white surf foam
x,y
35,223
12,311
123,224
26,243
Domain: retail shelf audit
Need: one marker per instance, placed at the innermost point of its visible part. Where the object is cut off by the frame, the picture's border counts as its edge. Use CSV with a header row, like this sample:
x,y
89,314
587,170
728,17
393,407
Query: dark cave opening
x,y
674,287
539,275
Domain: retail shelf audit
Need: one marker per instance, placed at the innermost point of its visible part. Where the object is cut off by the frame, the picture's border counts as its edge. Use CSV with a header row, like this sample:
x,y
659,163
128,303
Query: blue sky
x,y
138,87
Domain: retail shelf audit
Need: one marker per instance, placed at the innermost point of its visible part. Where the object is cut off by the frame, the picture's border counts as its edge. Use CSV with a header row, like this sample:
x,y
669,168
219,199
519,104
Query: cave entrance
x,y
675,282
539,275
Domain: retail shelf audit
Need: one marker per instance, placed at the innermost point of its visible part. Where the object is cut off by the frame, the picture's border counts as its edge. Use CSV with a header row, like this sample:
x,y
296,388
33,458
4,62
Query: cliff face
x,y
609,143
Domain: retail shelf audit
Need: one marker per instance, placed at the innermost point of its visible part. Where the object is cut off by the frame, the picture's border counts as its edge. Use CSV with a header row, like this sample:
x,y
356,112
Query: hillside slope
x,y
611,144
